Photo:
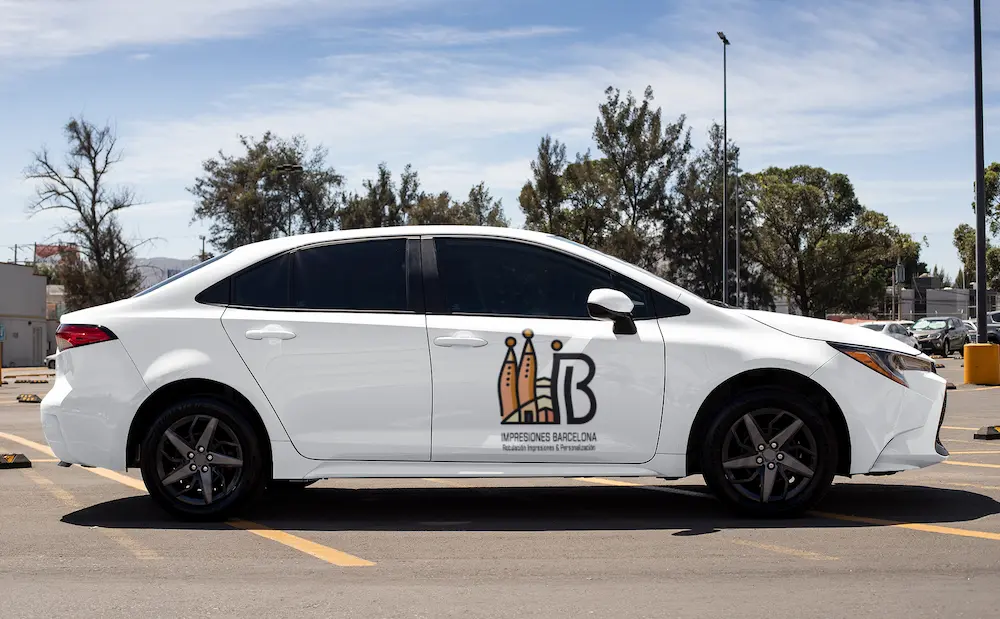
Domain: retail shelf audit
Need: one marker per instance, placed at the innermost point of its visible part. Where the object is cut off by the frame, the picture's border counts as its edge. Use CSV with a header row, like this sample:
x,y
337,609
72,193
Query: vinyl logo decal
x,y
529,399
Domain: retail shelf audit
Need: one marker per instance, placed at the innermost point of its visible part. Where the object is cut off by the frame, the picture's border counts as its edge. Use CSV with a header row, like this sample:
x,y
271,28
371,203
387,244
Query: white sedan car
x,y
473,352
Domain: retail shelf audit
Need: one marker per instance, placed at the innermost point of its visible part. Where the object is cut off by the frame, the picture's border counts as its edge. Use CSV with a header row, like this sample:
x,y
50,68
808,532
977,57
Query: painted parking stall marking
x,y
324,553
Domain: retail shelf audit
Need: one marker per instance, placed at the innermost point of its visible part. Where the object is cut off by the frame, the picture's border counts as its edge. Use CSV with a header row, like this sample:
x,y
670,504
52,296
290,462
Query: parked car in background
x,y
893,330
973,335
941,335
908,324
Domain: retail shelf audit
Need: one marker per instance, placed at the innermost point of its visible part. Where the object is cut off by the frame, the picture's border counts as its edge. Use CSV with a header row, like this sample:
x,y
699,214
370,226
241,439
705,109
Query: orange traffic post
x,y
982,364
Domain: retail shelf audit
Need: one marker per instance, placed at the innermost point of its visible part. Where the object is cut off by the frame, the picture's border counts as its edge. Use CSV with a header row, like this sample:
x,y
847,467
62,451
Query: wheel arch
x,y
188,388
770,377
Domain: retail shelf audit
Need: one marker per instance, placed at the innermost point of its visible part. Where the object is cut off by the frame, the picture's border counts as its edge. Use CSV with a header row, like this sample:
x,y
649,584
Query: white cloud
x,y
439,36
33,30
140,57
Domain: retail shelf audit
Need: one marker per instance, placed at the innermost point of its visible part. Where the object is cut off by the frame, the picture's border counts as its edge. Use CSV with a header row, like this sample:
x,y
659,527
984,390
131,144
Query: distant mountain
x,y
155,270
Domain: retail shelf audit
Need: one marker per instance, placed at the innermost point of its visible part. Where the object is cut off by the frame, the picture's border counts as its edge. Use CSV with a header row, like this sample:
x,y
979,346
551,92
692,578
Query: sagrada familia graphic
x,y
524,397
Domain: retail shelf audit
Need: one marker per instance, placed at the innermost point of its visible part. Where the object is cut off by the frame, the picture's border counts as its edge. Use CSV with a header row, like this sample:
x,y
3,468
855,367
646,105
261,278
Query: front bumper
x,y
891,427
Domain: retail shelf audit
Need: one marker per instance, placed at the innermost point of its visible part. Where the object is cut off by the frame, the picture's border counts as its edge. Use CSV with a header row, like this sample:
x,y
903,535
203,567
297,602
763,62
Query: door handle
x,y
460,339
270,332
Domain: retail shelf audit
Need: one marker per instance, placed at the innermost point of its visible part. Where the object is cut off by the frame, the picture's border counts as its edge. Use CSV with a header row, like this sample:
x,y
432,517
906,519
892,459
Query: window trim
x,y
434,293
414,283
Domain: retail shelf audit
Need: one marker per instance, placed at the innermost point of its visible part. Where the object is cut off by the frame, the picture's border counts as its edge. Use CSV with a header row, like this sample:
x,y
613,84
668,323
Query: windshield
x,y
925,324
174,278
873,327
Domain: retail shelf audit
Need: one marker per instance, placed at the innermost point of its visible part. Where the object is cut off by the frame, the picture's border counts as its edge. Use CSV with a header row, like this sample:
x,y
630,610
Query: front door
x,y
521,373
337,341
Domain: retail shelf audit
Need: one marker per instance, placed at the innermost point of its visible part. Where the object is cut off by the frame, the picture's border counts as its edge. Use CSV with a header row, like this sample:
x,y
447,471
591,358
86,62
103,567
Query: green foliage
x,y
275,188
992,184
102,270
692,236
818,243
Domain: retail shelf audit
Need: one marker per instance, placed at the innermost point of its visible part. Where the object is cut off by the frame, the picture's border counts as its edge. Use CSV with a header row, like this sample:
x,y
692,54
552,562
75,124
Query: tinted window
x,y
361,276
506,278
263,285
873,327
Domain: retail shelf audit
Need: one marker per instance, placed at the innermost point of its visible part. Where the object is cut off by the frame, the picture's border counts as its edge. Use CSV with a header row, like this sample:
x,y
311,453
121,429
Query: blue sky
x,y
463,89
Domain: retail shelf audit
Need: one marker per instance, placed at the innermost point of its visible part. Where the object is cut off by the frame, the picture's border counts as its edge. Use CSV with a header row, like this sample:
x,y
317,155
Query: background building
x,y
23,316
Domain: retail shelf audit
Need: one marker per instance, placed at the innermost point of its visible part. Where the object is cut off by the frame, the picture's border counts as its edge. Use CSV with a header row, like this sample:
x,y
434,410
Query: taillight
x,y
73,336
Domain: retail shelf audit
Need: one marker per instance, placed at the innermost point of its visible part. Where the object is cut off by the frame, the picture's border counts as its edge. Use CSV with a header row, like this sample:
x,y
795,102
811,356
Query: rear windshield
x,y
873,327
174,278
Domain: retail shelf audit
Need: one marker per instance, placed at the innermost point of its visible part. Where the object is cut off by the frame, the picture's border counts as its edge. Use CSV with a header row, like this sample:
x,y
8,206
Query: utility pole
x,y
725,178
736,191
981,277
202,256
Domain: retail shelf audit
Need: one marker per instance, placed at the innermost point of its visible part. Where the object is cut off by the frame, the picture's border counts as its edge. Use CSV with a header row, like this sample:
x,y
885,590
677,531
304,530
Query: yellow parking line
x,y
330,555
969,453
966,485
976,389
123,539
929,528
957,428
325,553
976,464
785,550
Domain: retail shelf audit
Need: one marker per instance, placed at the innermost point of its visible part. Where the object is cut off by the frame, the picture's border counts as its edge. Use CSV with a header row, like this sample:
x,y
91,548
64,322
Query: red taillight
x,y
73,336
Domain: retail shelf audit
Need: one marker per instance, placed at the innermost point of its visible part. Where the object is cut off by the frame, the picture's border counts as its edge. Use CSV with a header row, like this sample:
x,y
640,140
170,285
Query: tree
x,y
542,198
818,243
693,244
103,269
643,154
276,188
992,184
481,209
964,240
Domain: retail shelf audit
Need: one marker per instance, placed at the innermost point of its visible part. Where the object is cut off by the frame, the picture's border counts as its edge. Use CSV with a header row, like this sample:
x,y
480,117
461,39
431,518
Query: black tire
x,y
281,486
798,493
946,349
247,483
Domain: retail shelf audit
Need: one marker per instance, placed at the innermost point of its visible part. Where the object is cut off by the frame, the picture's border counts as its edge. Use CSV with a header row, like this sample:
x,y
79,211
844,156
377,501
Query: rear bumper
x,y
87,413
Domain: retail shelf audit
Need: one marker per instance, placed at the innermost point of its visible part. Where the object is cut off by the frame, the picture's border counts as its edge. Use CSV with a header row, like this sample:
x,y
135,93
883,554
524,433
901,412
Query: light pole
x,y
736,192
981,278
725,178
288,168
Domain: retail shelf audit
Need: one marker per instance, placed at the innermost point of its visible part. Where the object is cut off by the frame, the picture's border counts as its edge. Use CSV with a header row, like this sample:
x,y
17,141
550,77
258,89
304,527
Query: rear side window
x,y
263,285
363,276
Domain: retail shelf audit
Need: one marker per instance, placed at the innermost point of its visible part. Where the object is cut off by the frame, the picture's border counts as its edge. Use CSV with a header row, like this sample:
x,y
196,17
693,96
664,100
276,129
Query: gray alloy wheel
x,y
199,460
769,452
769,455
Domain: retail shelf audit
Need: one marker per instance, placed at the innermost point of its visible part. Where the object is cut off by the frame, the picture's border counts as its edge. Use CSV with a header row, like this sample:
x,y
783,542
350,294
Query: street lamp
x,y
725,177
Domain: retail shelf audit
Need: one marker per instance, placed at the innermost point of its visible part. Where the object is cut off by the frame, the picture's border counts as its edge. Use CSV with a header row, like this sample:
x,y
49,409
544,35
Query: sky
x,y
463,89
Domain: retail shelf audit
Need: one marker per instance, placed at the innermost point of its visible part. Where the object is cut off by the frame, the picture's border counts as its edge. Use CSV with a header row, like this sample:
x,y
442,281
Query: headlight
x,y
887,363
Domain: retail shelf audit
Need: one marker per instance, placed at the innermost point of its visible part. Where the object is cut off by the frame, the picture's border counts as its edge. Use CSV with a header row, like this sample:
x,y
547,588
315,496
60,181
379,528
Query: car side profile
x,y
893,330
471,352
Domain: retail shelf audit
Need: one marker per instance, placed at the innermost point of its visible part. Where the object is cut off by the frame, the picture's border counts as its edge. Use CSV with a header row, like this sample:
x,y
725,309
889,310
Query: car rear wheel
x,y
769,453
946,349
201,460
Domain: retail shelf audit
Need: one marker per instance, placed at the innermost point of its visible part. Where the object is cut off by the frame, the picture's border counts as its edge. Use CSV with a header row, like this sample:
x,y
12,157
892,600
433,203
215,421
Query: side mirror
x,y
909,332
614,305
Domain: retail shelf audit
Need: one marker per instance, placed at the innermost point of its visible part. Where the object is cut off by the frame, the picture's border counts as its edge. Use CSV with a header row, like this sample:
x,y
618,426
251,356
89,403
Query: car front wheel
x,y
201,460
769,453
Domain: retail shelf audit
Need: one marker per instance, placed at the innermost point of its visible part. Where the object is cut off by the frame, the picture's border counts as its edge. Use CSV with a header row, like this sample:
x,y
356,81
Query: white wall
x,y
22,313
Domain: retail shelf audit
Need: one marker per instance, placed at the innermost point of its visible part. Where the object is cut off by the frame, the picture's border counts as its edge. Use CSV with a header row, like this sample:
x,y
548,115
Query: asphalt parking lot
x,y
88,542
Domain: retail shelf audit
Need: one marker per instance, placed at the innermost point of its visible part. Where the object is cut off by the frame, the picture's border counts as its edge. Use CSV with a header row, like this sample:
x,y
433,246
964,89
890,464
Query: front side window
x,y
362,276
507,278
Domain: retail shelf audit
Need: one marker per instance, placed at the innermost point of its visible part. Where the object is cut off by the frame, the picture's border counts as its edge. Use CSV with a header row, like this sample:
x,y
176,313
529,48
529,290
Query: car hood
x,y
827,331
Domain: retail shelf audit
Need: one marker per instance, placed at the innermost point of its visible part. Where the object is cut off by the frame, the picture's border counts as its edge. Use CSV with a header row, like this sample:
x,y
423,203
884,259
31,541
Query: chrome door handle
x,y
460,339
270,332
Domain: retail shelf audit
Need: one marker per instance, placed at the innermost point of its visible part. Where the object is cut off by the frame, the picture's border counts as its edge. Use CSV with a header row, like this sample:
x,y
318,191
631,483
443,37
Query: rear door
x,y
336,337
521,372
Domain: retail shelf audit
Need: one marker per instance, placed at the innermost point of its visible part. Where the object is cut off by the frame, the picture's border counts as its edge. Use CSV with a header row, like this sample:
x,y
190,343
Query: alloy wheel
x,y
199,460
769,455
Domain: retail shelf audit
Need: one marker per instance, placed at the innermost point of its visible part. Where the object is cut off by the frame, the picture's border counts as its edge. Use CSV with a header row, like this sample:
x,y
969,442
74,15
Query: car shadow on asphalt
x,y
547,508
